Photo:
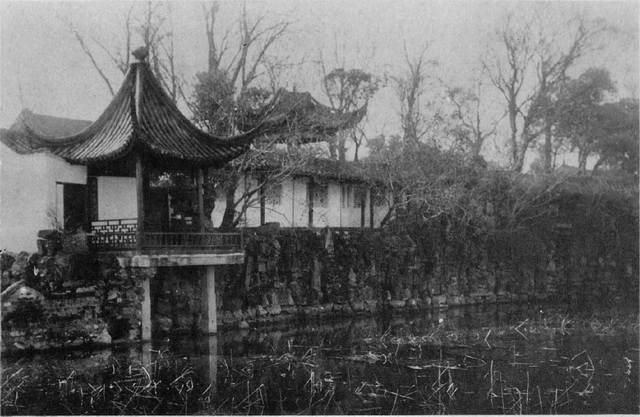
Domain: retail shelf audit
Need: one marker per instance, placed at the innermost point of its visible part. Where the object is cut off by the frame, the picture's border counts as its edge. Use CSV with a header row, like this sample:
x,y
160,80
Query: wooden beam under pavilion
x,y
200,192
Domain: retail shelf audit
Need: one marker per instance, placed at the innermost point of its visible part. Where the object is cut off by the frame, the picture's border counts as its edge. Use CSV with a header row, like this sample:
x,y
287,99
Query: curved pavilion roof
x,y
298,117
140,116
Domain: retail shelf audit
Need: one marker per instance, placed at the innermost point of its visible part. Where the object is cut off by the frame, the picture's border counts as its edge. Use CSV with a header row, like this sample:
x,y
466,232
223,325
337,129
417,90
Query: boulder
x,y
274,309
28,293
103,338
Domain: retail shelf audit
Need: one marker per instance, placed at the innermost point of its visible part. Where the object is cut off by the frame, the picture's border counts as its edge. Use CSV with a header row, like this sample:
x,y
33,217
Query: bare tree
x,y
151,28
411,88
348,91
526,66
240,81
471,125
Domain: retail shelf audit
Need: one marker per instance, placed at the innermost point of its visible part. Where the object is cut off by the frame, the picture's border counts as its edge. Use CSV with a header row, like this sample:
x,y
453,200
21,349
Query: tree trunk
x,y
513,139
476,146
342,148
582,162
518,163
547,150
597,166
333,153
230,210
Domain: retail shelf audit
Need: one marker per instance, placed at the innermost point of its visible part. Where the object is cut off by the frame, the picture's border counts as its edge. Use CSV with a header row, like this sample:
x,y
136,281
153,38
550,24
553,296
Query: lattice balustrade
x,y
114,235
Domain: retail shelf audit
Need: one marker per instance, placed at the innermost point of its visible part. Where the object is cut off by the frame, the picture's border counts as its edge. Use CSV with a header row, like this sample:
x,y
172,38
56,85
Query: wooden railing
x,y
121,235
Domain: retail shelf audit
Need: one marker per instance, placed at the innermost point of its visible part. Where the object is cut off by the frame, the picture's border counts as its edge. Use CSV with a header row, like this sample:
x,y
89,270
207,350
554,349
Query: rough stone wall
x,y
178,300
308,273
31,321
68,300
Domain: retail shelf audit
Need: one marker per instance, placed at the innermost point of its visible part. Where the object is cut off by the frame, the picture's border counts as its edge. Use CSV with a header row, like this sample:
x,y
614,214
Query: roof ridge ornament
x,y
141,53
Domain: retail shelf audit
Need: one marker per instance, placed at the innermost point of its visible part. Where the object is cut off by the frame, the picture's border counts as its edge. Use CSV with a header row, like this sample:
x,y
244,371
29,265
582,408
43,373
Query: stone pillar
x,y
213,364
147,356
209,286
146,308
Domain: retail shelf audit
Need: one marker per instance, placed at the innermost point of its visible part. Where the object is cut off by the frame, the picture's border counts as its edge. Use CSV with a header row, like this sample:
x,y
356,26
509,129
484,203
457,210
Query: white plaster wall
x,y
252,215
293,210
330,215
28,193
300,206
218,210
283,212
117,198
350,216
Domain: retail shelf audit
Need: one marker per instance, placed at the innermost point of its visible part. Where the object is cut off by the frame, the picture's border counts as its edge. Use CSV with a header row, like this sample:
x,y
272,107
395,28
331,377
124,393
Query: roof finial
x,y
141,53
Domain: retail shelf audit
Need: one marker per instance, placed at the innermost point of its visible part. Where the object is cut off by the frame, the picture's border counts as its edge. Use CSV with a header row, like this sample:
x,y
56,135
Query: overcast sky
x,y
43,68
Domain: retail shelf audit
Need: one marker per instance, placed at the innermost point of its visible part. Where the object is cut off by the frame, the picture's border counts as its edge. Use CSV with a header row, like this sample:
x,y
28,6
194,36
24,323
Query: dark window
x,y
75,206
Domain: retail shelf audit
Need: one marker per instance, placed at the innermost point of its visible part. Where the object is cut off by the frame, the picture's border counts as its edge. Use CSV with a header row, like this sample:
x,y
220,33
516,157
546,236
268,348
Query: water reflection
x,y
479,359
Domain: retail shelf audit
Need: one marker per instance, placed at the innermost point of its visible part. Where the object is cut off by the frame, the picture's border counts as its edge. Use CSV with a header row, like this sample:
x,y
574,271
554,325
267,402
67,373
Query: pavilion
x,y
101,178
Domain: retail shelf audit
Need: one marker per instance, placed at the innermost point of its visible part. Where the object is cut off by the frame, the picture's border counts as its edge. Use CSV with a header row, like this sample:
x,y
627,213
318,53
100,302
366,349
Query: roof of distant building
x,y
299,118
312,166
48,125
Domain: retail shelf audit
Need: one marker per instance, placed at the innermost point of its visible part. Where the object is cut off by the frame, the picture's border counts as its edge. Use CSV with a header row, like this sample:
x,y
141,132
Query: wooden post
x,y
371,207
263,211
200,191
140,198
146,309
363,207
310,192
210,291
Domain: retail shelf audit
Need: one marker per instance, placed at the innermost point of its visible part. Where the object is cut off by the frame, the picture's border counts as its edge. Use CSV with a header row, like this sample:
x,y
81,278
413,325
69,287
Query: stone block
x,y
226,317
371,305
397,303
274,309
290,309
284,297
260,311
103,337
310,311
164,323
250,313
358,306
28,293
439,301
453,300
412,303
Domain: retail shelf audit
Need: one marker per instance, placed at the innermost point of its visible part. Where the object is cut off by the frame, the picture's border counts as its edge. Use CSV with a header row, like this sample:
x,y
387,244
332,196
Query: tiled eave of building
x,y
297,117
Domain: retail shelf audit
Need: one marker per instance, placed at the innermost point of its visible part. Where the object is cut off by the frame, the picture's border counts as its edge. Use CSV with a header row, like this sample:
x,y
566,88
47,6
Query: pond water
x,y
504,359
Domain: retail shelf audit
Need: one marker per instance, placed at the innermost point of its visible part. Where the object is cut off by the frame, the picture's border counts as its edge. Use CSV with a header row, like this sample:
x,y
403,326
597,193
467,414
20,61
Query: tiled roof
x,y
49,125
140,115
319,168
297,117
